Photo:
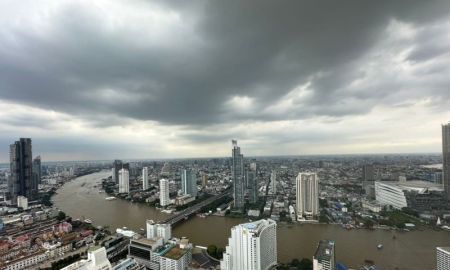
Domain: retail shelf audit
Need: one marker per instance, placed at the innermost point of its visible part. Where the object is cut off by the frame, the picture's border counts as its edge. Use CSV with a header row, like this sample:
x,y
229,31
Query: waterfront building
x,y
183,200
117,166
145,178
443,258
237,174
418,195
128,264
96,260
252,185
164,198
21,168
155,254
188,183
273,182
307,196
155,230
252,246
124,181
324,257
37,171
446,159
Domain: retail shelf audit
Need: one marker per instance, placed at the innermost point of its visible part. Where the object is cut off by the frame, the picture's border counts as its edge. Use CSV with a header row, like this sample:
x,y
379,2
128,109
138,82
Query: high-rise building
x,y
164,198
324,257
37,171
252,183
188,183
237,174
96,260
204,180
368,174
158,230
443,258
144,178
252,246
124,181
446,158
117,166
21,167
273,182
307,191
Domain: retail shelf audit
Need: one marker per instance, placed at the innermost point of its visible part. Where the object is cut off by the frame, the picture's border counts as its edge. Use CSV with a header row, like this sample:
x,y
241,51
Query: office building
x,y
368,172
22,202
446,159
21,167
418,195
155,230
273,182
124,181
37,171
307,192
145,178
96,260
164,198
443,258
237,174
252,246
252,185
188,183
324,257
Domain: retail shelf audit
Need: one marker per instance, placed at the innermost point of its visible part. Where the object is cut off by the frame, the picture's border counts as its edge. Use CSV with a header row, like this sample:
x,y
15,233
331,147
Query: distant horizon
x,y
245,156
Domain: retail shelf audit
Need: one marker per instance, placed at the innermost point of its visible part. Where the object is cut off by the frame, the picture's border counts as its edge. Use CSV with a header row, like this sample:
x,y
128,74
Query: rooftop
x,y
175,253
325,250
415,185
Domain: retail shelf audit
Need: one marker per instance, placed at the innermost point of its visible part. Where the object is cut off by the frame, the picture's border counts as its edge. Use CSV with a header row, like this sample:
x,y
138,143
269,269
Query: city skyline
x,y
163,80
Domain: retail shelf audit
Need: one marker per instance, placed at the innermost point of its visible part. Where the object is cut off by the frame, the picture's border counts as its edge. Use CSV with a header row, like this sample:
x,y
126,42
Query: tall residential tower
x,y
252,246
237,174
446,159
307,191
21,166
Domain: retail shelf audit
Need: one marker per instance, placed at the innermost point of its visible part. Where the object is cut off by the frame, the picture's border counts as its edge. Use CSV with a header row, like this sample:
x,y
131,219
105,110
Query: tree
x,y
61,216
368,223
212,250
305,264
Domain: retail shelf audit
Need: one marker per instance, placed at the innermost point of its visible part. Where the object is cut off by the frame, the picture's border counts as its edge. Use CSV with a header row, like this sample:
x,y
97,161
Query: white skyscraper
x,y
252,246
164,198
443,258
124,181
144,178
307,191
158,230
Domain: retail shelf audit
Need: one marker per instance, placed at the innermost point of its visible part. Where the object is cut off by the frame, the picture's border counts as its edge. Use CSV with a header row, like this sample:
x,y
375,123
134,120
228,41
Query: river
x,y
413,250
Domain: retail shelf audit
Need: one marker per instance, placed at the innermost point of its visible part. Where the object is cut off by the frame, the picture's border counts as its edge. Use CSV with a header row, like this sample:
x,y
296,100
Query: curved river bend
x,y
409,251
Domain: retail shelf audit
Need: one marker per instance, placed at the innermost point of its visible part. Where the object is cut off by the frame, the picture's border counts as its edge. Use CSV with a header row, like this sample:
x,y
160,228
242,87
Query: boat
x,y
380,246
110,198
88,221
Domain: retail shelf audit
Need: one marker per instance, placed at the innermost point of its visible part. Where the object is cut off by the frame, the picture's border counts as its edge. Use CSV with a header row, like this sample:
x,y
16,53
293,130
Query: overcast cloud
x,y
159,79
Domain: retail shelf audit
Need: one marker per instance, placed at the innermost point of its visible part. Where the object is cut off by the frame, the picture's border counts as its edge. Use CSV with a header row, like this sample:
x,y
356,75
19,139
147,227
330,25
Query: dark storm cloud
x,y
81,62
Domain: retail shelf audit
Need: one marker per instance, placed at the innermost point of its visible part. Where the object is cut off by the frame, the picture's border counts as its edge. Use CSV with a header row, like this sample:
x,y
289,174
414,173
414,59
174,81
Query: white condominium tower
x,y
307,191
144,178
164,198
158,230
252,246
124,181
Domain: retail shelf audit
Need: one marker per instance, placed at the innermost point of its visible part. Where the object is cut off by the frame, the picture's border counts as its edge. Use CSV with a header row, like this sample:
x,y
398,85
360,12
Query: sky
x,y
139,79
